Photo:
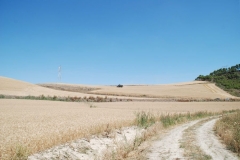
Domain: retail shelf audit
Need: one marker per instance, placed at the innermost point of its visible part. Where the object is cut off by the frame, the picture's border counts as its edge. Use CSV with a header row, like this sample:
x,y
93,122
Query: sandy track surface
x,y
92,148
51,123
168,147
43,124
210,144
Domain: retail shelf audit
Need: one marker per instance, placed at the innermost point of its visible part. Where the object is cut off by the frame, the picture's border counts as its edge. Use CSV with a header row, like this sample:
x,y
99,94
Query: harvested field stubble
x,y
195,89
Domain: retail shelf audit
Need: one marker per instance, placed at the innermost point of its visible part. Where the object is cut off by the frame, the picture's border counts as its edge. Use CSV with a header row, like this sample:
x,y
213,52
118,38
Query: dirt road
x,y
193,140
210,144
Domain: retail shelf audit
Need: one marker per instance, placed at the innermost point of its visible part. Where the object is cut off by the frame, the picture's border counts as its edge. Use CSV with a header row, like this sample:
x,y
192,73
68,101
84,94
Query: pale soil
x,y
168,147
173,144
41,124
91,148
210,144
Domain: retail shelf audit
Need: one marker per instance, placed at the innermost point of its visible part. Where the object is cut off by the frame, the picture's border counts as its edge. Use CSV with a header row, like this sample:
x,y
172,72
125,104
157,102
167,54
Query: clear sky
x,y
117,41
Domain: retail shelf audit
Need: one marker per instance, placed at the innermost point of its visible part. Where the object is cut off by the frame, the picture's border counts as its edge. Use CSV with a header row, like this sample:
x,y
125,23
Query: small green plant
x,y
2,96
42,97
83,149
21,153
152,124
168,120
54,98
92,106
144,119
226,78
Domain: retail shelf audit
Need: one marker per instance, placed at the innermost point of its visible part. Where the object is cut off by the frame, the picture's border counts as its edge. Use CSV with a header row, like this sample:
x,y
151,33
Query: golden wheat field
x,y
39,124
42,124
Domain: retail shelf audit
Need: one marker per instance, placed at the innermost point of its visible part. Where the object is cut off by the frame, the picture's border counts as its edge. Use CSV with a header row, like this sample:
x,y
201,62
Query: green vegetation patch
x,y
225,78
146,119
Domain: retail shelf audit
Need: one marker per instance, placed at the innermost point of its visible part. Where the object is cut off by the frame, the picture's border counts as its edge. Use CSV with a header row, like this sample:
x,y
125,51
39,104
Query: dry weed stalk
x,y
228,128
20,152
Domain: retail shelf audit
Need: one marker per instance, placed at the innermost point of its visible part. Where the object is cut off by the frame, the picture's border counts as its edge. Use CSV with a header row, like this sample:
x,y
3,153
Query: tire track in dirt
x,y
203,142
210,88
210,144
214,89
169,147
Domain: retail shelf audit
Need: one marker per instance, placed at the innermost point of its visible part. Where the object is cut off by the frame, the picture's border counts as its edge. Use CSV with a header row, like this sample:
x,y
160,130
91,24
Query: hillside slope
x,y
195,89
225,78
10,86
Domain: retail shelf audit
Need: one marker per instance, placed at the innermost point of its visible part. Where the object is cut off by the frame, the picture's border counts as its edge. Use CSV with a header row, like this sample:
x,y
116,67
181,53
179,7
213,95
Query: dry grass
x,y
154,124
67,99
228,128
38,125
188,142
29,126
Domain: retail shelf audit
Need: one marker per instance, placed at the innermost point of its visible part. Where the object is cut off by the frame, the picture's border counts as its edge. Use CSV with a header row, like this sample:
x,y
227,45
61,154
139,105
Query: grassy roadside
x,y
111,99
228,128
22,150
154,124
67,99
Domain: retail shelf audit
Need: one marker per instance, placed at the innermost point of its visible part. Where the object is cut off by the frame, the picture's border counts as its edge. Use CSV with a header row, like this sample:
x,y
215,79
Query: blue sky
x,y
117,41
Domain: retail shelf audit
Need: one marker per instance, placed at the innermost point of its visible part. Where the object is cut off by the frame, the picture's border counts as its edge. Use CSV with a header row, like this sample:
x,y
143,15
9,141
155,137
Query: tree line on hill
x,y
226,78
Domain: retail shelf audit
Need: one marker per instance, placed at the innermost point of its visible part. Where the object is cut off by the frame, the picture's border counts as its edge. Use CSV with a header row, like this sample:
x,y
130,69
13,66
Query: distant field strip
x,y
188,90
